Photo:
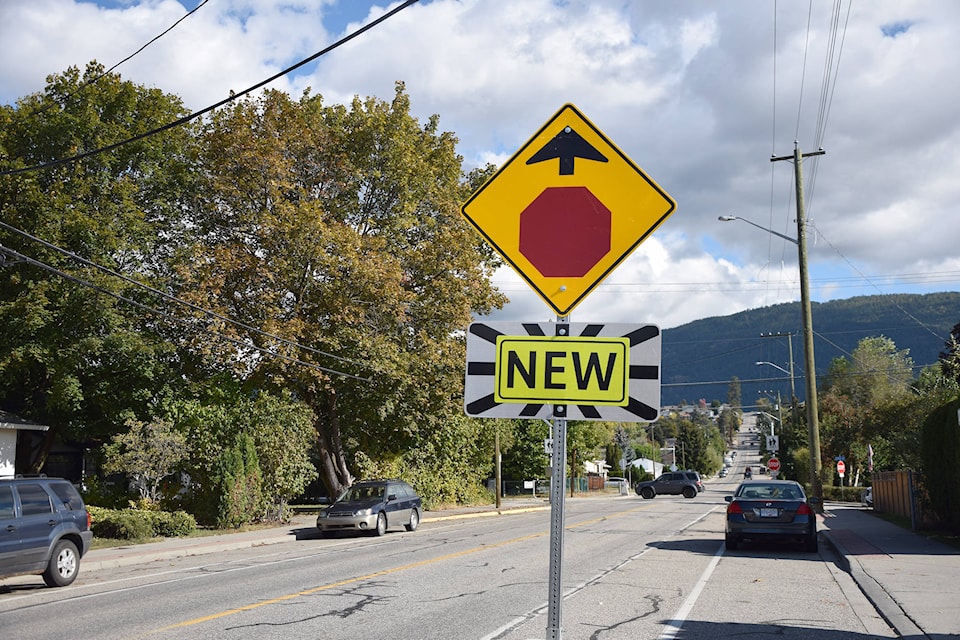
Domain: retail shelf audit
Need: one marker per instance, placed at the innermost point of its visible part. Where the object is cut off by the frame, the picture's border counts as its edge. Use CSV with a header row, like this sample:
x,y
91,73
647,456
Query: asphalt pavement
x,y
914,582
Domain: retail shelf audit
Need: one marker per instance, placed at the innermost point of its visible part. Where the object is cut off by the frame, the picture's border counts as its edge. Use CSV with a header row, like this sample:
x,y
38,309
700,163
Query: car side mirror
x,y
728,498
391,497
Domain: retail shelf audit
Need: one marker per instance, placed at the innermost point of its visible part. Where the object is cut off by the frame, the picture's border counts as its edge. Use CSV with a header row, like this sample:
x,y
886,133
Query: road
x,y
631,569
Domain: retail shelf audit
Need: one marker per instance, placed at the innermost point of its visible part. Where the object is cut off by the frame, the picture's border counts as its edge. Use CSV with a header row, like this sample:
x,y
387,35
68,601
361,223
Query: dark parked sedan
x,y
373,506
770,510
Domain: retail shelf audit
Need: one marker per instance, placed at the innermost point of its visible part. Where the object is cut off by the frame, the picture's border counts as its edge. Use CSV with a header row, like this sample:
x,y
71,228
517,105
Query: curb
x,y
885,605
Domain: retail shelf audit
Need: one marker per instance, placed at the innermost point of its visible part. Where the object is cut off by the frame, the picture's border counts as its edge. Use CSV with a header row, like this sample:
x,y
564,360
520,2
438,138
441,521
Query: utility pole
x,y
813,420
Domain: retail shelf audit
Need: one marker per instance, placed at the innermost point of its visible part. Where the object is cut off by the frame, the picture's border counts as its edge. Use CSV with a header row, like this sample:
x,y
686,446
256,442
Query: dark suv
x,y
673,483
44,529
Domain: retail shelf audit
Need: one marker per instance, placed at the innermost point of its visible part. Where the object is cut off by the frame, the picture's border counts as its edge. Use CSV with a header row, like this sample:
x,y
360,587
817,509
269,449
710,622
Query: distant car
x,y
770,510
672,484
44,529
373,506
723,472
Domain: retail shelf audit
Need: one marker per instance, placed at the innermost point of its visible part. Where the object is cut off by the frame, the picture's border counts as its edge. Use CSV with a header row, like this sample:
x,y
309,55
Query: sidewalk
x,y
302,527
913,582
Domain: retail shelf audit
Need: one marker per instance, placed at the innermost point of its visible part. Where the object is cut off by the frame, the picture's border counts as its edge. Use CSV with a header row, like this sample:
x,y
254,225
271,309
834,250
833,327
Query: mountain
x,y
700,358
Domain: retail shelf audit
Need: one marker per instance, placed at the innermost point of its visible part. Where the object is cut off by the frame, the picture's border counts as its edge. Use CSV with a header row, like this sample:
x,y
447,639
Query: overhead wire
x,y
170,317
103,75
174,299
234,96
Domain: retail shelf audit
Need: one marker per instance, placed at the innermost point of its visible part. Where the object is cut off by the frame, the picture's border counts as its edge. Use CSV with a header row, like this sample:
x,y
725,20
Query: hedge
x,y
138,524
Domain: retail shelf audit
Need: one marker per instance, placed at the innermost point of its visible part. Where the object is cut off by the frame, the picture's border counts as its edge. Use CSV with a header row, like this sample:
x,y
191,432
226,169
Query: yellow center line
x,y
385,572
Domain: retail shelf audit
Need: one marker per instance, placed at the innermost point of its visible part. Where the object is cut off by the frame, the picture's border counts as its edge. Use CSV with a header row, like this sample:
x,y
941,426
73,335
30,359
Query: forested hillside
x,y
700,358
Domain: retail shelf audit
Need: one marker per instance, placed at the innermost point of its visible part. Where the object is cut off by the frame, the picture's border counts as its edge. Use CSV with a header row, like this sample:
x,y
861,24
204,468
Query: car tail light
x,y
734,507
804,510
89,521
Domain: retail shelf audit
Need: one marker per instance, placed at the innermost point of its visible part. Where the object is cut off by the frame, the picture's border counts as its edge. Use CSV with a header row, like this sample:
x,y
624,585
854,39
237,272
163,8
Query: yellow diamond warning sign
x,y
567,208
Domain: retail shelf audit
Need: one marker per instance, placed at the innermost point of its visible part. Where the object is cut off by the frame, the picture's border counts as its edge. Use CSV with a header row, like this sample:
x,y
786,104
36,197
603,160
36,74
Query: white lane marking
x,y
672,628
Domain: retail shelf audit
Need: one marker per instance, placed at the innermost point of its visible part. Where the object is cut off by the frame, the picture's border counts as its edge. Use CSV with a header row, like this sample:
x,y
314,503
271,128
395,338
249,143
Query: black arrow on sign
x,y
567,145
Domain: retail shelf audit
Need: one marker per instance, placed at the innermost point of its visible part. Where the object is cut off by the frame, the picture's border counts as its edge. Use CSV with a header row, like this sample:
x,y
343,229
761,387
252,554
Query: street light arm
x,y
776,233
773,365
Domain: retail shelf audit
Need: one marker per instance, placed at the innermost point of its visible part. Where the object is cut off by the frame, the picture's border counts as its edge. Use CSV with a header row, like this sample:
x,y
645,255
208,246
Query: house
x,y
11,427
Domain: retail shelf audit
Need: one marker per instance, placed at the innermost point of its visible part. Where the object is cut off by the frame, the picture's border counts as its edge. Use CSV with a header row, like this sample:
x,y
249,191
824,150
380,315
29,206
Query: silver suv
x,y
44,529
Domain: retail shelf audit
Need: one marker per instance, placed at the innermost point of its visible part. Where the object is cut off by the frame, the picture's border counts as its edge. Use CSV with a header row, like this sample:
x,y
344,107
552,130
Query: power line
x,y
168,297
129,57
197,114
171,318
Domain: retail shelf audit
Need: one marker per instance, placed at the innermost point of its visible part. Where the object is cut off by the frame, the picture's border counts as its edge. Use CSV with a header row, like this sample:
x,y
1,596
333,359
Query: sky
x,y
698,94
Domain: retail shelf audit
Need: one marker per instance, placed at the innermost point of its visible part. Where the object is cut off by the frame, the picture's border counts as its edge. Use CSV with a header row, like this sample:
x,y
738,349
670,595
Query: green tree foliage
x,y
941,455
73,357
859,393
237,484
734,396
950,358
524,458
148,452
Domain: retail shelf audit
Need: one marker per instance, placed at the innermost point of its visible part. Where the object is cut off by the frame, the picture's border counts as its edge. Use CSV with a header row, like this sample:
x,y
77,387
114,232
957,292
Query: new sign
x,y
567,208
578,371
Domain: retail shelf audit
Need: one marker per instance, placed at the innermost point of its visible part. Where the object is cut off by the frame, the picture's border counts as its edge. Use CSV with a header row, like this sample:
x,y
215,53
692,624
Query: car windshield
x,y
357,494
770,492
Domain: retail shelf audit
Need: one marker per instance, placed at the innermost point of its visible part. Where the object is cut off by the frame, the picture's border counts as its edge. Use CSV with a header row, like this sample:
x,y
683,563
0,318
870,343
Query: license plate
x,y
769,513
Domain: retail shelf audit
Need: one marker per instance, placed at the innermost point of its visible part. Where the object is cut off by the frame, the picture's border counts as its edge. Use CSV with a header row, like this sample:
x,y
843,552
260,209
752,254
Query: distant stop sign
x,y
841,468
773,464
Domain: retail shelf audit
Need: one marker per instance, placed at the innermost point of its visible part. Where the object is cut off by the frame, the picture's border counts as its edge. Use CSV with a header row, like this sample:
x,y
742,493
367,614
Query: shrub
x,y
175,524
136,524
122,524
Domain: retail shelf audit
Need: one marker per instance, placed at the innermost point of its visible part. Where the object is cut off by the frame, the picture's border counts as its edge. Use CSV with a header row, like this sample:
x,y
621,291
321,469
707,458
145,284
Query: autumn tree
x,y
338,229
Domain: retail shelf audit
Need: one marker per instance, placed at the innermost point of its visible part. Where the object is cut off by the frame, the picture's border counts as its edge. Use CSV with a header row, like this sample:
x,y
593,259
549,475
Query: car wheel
x,y
731,543
381,524
646,493
414,520
689,492
63,565
810,545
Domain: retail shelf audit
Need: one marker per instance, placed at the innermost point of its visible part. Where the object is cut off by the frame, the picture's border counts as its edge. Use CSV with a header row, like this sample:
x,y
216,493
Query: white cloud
x,y
691,91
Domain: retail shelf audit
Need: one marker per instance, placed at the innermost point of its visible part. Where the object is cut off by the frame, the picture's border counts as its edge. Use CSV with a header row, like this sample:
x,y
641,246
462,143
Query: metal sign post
x,y
558,482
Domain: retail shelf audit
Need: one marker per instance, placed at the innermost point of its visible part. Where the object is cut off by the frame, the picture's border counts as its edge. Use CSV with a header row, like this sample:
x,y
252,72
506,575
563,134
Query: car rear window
x,y
771,491
68,495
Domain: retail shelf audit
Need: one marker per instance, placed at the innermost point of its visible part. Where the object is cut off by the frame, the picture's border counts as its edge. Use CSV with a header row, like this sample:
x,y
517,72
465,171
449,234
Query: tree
x,y
734,397
73,357
147,453
858,393
950,358
339,228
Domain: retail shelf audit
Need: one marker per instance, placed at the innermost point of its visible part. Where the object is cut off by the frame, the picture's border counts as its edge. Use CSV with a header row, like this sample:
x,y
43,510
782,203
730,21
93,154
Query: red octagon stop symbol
x,y
564,232
773,464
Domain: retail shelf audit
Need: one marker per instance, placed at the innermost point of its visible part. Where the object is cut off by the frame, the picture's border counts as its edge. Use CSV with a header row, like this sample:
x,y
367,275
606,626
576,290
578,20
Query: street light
x,y
793,391
813,424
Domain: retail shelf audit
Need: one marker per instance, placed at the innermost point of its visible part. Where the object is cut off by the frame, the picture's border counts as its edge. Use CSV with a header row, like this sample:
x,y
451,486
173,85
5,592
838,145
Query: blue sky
x,y
697,93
